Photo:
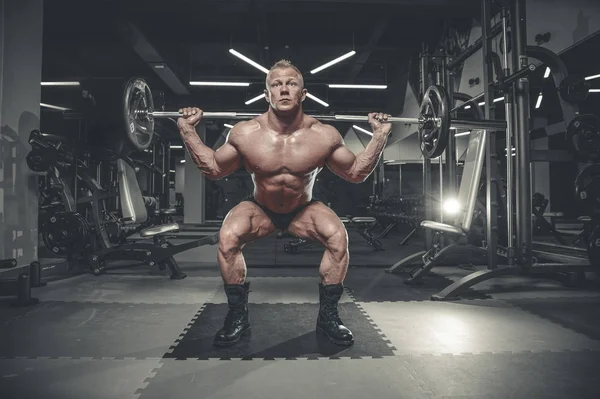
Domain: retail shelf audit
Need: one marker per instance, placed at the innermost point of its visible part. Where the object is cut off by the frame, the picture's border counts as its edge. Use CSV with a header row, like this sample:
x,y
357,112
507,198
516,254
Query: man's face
x,y
285,89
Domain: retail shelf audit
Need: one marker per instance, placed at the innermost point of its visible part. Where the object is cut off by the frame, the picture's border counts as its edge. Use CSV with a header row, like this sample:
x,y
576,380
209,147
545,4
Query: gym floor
x,y
132,333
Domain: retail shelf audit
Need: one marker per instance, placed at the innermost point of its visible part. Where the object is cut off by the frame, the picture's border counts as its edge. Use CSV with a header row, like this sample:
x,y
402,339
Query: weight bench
x,y
152,248
369,223
459,229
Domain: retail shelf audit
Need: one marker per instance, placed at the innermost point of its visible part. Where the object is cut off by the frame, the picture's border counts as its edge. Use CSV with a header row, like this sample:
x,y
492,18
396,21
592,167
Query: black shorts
x,y
281,221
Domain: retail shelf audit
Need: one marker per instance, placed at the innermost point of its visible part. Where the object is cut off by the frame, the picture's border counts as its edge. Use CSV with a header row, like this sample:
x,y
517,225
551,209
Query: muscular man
x,y
284,150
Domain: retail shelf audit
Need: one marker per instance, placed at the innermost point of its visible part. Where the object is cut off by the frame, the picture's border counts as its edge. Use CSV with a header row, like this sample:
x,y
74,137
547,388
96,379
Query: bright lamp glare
x,y
333,62
248,60
451,206
255,99
360,129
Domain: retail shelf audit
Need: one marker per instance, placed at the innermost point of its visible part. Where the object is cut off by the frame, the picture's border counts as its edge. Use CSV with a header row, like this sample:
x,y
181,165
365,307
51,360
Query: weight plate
x,y
587,190
39,160
137,108
65,233
434,136
584,135
574,89
593,246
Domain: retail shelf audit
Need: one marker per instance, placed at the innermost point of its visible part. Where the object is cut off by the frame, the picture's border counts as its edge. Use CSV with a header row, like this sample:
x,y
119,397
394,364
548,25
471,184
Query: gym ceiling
x,y
170,43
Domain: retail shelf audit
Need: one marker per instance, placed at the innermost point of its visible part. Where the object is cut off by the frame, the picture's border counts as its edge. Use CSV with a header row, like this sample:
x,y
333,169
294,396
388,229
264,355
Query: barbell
x,y
434,122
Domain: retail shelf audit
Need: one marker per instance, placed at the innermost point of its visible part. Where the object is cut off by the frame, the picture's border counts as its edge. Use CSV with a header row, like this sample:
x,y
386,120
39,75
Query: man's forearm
x,y
368,158
202,155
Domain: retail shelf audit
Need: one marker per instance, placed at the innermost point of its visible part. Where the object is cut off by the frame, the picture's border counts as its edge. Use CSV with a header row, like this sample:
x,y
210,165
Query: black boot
x,y
236,322
329,322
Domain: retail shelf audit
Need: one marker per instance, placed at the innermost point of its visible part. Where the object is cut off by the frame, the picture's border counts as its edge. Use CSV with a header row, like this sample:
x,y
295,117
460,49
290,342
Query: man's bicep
x,y
227,159
341,161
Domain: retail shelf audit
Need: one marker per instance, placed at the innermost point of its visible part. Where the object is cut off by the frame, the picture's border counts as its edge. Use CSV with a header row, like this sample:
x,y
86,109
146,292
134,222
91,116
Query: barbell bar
x,y
454,124
434,121
330,118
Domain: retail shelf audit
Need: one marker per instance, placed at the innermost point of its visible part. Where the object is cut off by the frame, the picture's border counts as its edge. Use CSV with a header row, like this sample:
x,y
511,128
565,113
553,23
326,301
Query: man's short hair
x,y
282,64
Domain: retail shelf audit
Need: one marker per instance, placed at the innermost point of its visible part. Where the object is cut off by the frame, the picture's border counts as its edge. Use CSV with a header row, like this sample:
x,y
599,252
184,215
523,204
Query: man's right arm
x,y
213,164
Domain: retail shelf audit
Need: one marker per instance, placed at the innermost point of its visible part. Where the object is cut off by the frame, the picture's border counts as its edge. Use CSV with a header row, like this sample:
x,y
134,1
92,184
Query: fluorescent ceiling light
x,y
547,73
481,103
249,61
182,161
539,101
60,83
332,62
498,99
234,84
462,134
594,90
176,147
55,107
468,107
592,77
362,130
342,86
255,99
228,125
314,98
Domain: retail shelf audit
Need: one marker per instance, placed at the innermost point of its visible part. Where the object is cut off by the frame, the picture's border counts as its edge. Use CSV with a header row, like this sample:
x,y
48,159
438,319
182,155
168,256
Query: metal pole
x,y
490,159
508,105
524,230
426,161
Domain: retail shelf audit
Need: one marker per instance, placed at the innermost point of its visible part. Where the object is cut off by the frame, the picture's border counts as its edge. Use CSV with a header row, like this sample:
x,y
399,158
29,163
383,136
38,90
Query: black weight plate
x,y
434,136
584,135
587,189
137,104
593,246
574,89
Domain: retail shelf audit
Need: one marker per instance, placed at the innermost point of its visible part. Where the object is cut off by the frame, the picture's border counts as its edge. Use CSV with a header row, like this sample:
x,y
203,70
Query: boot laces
x,y
235,314
330,310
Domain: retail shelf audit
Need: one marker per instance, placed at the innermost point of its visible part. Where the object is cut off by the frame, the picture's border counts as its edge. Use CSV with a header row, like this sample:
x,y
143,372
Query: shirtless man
x,y
284,150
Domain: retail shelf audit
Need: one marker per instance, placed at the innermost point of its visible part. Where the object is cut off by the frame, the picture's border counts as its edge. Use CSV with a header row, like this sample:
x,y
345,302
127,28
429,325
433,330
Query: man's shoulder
x,y
325,129
244,128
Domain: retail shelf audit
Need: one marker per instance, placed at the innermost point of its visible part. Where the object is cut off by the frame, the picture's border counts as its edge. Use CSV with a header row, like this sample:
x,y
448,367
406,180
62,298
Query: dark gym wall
x,y
21,35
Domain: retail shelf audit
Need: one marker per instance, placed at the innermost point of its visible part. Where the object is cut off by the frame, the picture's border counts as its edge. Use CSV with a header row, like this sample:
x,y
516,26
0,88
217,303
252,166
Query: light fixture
x,y
55,107
60,84
462,134
594,90
360,129
539,101
468,107
547,73
265,70
249,61
182,161
344,86
255,99
232,84
176,147
332,62
592,77
172,171
228,125
316,99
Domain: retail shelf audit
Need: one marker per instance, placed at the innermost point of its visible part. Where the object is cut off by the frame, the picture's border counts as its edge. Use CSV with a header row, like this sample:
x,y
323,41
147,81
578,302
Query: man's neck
x,y
285,123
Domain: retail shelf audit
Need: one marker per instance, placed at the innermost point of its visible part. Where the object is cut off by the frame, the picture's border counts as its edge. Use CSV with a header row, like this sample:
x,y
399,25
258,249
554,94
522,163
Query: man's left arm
x,y
357,168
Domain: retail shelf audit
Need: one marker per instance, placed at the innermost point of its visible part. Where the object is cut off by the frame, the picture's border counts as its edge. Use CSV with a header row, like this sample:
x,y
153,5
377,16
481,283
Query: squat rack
x,y
519,253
